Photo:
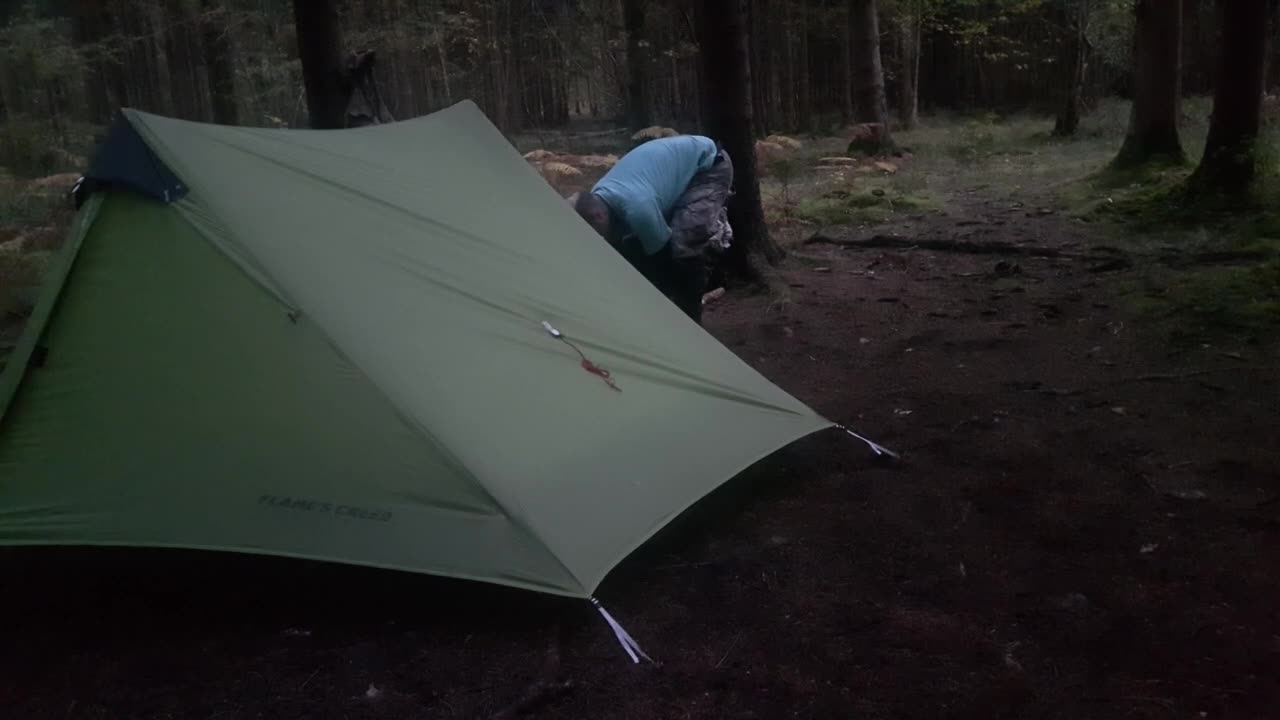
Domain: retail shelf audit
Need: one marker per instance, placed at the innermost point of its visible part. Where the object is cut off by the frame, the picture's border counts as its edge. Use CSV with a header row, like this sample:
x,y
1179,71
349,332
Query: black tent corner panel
x,y
123,159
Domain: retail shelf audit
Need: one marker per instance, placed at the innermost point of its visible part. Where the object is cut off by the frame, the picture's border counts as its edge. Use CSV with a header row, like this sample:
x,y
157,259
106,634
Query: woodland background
x,y
66,65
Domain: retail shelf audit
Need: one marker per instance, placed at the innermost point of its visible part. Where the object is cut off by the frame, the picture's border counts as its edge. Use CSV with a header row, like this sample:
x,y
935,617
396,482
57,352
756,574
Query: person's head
x,y
591,208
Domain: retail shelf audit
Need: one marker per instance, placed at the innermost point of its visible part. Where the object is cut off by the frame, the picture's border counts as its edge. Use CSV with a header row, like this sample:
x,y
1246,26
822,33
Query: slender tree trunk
x,y
150,46
776,61
495,90
1273,61
677,106
218,62
1068,120
758,43
789,89
179,44
909,69
804,103
1230,154
323,65
870,105
442,56
153,21
725,58
1157,63
639,114
846,63
141,83
511,74
90,29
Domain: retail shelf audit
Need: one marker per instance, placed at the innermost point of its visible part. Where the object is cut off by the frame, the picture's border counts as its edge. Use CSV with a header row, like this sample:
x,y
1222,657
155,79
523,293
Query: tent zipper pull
x,y
627,642
876,448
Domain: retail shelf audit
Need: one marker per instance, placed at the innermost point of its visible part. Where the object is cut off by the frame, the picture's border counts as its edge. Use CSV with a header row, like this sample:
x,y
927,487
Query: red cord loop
x,y
601,373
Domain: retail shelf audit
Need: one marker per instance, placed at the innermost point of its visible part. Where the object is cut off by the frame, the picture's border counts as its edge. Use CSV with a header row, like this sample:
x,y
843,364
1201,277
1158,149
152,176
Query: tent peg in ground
x,y
624,638
880,450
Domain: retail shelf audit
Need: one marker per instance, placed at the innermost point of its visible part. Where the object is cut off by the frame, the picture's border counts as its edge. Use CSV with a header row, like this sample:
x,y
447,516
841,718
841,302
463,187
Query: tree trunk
x,y
1230,156
639,114
1157,70
442,56
1273,62
868,74
1068,120
140,70
725,58
511,75
909,71
677,108
846,64
804,103
90,28
758,43
218,62
179,44
323,66
789,90
777,118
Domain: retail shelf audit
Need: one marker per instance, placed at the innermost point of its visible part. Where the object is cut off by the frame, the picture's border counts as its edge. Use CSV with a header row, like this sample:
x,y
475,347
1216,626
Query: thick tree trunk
x,y
218,63
868,74
323,63
639,113
1230,156
725,58
1157,63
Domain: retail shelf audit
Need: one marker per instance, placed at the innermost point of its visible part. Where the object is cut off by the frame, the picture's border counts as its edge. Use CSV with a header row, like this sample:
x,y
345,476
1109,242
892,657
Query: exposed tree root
x,y
960,246
1109,258
1151,377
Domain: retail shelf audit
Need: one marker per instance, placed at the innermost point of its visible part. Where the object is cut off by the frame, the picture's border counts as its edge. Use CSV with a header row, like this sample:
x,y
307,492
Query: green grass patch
x,y
1238,302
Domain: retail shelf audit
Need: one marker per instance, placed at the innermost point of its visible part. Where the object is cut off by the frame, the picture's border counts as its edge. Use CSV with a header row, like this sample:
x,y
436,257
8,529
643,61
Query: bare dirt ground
x,y
1084,525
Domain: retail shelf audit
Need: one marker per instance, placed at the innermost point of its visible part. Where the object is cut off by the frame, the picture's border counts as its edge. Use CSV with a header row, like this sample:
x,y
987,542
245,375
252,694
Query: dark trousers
x,y
683,280
681,269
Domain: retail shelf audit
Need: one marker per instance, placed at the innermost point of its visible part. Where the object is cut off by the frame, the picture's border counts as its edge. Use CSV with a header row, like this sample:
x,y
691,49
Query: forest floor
x,y
1084,523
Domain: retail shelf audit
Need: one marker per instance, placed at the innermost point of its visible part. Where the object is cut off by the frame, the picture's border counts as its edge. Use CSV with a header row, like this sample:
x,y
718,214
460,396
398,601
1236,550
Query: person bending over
x,y
663,207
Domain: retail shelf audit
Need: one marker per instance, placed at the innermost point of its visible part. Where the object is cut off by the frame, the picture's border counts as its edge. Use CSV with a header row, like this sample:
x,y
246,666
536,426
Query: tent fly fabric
x,y
392,346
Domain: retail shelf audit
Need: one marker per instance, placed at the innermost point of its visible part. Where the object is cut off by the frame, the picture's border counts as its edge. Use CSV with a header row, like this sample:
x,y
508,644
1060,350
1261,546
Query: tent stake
x,y
627,642
876,448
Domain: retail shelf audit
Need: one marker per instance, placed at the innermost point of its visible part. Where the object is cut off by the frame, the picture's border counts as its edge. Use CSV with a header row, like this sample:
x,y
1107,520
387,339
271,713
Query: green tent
x,y
393,346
